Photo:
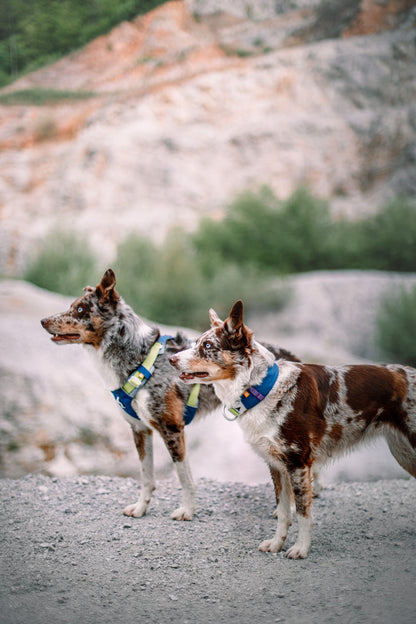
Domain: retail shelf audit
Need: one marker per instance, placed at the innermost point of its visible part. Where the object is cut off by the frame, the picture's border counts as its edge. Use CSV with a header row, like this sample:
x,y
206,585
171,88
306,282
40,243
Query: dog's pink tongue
x,y
192,375
64,337
186,376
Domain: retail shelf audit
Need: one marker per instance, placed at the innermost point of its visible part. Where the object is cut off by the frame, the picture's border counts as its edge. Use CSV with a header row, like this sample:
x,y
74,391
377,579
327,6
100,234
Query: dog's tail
x,y
281,354
403,450
178,343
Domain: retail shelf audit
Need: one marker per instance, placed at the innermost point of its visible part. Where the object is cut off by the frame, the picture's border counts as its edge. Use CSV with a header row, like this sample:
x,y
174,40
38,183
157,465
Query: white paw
x,y
136,511
298,551
274,545
182,513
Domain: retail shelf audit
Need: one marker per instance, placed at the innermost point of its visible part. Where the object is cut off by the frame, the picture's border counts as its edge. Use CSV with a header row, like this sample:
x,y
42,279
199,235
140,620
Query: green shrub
x,y
64,264
244,235
168,284
390,237
277,237
302,241
298,234
395,327
160,283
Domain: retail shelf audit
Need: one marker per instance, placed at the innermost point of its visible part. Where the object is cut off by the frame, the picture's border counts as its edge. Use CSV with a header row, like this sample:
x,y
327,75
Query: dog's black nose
x,y
43,322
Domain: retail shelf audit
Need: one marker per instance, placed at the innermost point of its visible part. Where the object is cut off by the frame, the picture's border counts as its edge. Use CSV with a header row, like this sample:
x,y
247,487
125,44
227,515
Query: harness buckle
x,y
136,380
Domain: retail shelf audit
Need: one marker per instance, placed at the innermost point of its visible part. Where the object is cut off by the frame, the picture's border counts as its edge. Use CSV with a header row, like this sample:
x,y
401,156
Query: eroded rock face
x,y
196,102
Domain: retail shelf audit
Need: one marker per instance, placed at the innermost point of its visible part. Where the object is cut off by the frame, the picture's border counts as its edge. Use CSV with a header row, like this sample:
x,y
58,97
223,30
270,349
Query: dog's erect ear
x,y
214,318
105,288
240,335
235,318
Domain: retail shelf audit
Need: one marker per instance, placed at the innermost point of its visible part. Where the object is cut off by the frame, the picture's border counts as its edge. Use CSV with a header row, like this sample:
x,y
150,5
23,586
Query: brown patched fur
x,y
312,413
171,425
139,440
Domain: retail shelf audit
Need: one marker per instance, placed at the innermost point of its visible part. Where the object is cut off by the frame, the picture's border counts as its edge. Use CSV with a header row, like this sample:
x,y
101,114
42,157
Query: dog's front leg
x,y
144,444
186,510
302,489
174,438
282,490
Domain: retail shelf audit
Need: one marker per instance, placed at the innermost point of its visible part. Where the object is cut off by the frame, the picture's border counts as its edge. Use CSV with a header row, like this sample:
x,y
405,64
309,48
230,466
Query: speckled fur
x,y
118,341
312,414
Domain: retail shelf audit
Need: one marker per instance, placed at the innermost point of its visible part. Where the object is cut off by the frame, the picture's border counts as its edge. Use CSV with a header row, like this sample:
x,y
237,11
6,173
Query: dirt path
x,y
69,556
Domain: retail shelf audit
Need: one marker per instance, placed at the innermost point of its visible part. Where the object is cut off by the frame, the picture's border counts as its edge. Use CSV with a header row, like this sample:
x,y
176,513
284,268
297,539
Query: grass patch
x,y
39,96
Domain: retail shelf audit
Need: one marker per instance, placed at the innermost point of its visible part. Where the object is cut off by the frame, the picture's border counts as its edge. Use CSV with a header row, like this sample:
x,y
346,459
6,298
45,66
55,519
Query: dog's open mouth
x,y
65,337
186,376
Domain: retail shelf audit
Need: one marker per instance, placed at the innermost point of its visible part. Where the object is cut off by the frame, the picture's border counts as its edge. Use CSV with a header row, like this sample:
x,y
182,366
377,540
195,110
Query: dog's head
x,y
219,353
85,320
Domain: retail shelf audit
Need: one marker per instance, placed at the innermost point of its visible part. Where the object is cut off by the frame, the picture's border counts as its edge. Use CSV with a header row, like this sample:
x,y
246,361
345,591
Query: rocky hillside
x,y
196,101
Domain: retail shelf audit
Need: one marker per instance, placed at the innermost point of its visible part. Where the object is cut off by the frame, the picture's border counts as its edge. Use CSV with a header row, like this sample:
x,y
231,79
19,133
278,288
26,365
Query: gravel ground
x,y
70,556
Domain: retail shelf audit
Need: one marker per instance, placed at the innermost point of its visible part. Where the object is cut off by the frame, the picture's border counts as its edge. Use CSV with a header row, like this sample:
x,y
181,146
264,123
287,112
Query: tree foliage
x,y
36,32
299,234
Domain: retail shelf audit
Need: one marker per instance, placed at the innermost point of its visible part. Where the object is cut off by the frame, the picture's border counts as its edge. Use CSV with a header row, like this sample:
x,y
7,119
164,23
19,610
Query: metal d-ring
x,y
224,412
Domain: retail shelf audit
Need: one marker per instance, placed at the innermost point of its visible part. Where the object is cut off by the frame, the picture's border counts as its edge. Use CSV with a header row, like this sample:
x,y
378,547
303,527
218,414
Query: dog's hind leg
x,y
282,490
144,444
302,489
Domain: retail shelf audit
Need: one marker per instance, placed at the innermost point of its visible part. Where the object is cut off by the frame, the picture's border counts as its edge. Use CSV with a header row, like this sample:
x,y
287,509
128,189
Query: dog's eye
x,y
80,310
207,345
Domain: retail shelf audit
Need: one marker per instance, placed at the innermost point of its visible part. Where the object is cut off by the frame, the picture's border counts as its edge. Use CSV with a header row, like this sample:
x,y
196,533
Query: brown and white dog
x,y
311,413
119,340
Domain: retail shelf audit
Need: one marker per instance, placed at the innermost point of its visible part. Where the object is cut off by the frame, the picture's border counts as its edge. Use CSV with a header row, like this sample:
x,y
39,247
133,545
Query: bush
x,y
395,328
169,285
64,264
277,237
244,235
303,239
299,235
390,237
160,284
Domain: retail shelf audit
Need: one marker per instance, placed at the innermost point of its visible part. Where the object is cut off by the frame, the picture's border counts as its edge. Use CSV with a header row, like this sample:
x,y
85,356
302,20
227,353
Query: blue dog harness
x,y
125,395
253,395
